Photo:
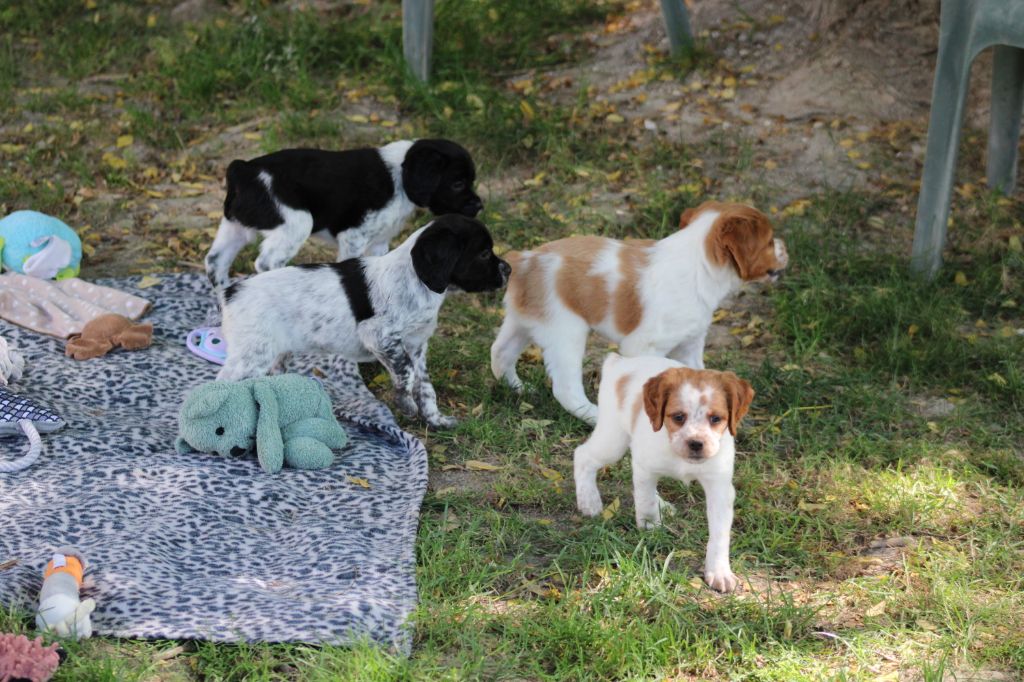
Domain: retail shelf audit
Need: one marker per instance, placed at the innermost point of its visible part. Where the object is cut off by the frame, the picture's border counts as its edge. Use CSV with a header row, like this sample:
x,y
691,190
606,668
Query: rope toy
x,y
12,364
35,448
19,414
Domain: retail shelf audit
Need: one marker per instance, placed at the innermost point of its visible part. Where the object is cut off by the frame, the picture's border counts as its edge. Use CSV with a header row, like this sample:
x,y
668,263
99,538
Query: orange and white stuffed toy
x,y
61,609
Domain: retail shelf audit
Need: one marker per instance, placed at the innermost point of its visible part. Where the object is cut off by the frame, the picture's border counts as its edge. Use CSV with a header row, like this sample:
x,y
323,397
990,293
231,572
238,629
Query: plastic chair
x,y
967,27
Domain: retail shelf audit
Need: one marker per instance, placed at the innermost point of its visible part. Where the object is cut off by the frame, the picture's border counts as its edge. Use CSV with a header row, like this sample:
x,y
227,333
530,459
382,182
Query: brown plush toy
x,y
107,332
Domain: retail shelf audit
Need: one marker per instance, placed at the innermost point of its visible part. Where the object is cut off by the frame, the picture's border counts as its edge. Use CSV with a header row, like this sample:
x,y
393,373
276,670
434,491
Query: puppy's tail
x,y
610,361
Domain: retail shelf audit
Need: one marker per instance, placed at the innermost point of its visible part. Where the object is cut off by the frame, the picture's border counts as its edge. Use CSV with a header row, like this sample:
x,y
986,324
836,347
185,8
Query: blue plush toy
x,y
39,245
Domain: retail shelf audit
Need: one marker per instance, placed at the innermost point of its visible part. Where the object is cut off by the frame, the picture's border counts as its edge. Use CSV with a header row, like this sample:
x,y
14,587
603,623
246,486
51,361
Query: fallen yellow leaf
x,y
148,281
124,141
115,162
477,465
611,509
960,279
550,474
361,482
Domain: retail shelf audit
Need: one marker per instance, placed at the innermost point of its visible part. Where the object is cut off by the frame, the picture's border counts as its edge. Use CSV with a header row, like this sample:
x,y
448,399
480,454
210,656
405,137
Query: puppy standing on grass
x,y
650,297
380,308
357,199
677,422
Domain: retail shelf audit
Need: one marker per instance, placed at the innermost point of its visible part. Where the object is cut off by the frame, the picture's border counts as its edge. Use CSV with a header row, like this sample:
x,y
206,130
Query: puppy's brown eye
x,y
484,255
679,417
459,185
714,419
220,431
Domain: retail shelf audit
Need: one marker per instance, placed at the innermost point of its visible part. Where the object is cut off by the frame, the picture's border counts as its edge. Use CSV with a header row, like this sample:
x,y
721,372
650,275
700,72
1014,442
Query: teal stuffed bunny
x,y
286,417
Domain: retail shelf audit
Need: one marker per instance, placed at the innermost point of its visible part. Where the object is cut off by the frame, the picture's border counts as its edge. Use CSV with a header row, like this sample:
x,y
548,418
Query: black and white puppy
x,y
357,199
380,308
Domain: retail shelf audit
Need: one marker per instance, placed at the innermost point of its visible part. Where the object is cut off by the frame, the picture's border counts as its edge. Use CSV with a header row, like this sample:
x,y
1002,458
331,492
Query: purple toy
x,y
207,343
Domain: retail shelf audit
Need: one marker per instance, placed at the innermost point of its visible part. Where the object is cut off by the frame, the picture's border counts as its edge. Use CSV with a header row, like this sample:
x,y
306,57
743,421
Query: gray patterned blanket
x,y
200,547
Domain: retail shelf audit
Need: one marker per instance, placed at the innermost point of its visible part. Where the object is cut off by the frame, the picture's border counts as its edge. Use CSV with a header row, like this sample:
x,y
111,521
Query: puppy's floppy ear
x,y
687,217
737,235
421,171
738,396
435,254
656,392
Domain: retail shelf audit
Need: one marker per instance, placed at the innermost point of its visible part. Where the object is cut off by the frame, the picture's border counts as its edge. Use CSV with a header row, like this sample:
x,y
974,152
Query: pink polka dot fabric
x,y
62,308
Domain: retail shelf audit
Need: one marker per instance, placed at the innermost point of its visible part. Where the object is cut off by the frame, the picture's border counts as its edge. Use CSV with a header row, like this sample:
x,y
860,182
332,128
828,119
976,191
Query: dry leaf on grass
x,y
477,465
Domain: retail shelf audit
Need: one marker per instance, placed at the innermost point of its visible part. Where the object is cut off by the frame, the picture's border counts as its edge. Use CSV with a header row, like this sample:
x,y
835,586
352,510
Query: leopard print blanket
x,y
197,546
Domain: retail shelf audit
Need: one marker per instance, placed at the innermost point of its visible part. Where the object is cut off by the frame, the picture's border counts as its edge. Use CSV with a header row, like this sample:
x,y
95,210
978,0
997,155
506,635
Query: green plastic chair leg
x,y
418,36
1004,130
952,74
677,25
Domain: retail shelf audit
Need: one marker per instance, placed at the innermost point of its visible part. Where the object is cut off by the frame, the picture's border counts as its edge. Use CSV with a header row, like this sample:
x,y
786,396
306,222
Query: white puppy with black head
x,y
381,308
677,422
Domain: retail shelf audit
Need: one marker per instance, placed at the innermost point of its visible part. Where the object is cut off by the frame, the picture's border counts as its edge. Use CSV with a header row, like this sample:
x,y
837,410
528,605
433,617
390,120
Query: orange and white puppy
x,y
677,422
650,297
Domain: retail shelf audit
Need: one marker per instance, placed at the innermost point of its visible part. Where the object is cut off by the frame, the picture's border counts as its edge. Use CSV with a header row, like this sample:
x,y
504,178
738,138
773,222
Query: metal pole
x,y
418,36
677,25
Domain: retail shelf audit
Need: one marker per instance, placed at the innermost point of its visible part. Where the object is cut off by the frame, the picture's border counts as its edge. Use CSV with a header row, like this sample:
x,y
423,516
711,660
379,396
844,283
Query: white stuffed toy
x,y
61,610
12,364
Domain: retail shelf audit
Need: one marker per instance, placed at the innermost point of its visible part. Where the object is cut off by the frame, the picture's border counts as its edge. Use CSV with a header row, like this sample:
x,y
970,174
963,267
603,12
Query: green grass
x,y
846,355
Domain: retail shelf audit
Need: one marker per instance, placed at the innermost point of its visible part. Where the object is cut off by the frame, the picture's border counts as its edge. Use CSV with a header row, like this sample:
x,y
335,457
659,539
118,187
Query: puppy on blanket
x,y
380,308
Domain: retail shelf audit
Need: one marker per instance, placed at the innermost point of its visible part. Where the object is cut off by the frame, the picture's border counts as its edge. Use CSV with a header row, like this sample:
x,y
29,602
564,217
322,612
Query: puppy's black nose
x,y
505,269
472,207
237,451
696,446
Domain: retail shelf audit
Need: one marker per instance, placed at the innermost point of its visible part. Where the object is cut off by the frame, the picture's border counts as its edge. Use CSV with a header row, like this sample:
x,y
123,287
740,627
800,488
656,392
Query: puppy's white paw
x,y
587,414
648,522
589,502
722,580
443,422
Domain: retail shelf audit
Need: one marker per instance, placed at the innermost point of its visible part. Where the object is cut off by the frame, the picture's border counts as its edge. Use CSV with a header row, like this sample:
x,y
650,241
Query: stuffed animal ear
x,y
421,172
269,441
181,446
207,400
434,256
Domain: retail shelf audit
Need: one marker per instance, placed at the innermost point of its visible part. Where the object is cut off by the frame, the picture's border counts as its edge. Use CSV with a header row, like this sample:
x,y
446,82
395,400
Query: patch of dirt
x,y
882,556
794,78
